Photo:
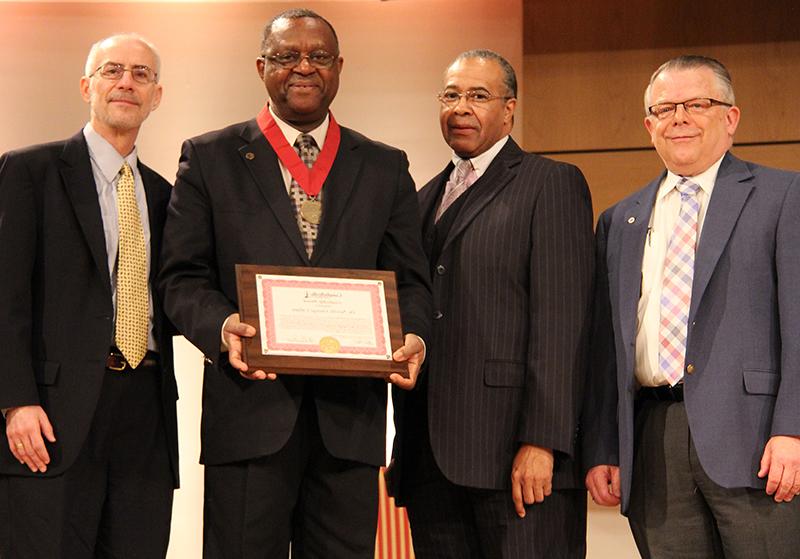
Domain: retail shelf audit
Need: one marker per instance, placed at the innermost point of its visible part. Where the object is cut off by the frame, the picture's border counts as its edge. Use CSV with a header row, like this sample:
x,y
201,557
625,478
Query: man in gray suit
x,y
486,453
692,415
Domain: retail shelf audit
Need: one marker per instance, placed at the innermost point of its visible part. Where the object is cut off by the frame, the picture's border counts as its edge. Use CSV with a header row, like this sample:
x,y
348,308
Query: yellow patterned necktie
x,y
132,311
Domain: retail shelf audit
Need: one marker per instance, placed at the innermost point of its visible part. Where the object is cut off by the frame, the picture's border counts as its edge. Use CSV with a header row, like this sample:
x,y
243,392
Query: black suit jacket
x,y
55,294
230,206
511,291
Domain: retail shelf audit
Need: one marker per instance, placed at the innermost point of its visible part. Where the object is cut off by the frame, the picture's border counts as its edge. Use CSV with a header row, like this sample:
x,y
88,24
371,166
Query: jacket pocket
x,y
46,372
503,373
760,381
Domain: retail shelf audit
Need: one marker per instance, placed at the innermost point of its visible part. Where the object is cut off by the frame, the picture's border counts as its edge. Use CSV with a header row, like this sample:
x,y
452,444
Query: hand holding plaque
x,y
320,321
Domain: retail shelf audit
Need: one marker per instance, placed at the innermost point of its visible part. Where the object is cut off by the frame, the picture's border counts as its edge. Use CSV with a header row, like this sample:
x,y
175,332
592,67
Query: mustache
x,y
119,96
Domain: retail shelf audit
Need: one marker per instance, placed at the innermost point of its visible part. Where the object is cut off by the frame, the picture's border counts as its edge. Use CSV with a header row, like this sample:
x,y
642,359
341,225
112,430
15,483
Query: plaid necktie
x,y
676,290
461,179
307,149
132,300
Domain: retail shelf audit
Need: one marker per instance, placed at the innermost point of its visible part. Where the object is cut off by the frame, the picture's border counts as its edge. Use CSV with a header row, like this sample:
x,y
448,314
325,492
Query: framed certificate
x,y
320,321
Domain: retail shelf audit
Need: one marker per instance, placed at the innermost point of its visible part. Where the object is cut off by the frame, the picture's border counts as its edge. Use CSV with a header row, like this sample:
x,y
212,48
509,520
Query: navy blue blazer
x,y
744,325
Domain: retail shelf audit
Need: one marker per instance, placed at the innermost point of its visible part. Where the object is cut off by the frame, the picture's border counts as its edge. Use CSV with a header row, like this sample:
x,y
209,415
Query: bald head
x,y
98,50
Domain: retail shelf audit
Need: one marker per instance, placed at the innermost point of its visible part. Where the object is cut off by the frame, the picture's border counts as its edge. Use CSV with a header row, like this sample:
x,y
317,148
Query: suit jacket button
x,y
437,315
440,270
690,368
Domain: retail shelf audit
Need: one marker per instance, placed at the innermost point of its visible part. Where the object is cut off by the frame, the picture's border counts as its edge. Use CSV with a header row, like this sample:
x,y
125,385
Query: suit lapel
x,y
430,193
500,173
156,210
76,172
337,189
427,198
731,190
260,159
635,221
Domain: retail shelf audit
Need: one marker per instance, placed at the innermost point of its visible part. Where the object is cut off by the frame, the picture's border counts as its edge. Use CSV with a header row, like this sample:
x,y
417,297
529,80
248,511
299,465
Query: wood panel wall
x,y
587,63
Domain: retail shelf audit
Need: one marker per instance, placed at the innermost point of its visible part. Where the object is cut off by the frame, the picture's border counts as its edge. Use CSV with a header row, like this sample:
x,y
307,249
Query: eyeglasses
x,y
451,98
692,106
292,59
114,71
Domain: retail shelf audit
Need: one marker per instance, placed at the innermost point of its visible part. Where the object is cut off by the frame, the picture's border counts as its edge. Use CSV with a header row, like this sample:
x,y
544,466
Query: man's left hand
x,y
781,460
531,476
414,353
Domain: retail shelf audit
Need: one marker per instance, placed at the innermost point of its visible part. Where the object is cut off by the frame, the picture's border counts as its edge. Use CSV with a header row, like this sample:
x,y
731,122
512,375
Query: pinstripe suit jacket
x,y
511,298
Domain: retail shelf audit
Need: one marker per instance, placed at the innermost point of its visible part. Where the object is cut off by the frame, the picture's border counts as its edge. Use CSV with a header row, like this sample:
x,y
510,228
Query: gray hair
x,y
91,62
692,62
295,13
509,76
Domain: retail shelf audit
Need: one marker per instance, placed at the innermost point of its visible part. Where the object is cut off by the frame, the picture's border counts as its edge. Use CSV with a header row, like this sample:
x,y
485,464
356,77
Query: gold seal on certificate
x,y
320,321
329,344
311,211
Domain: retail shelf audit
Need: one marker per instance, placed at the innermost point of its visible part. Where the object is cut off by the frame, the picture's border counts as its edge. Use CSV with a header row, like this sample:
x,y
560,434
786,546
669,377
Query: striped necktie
x,y
460,180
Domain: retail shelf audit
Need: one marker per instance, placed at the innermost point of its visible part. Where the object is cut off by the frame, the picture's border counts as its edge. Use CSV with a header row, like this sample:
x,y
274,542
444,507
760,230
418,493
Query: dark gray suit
x,y
743,327
511,282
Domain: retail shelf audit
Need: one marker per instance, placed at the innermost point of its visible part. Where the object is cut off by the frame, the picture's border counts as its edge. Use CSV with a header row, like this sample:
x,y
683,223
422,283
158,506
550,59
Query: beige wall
x,y
395,53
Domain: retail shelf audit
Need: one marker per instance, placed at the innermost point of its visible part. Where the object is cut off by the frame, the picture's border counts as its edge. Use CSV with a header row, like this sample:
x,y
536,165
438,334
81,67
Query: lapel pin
x,y
249,155
631,219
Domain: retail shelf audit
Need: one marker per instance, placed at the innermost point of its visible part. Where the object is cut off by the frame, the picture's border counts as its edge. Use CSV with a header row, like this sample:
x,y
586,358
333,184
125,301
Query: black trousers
x,y
325,506
678,512
115,500
450,521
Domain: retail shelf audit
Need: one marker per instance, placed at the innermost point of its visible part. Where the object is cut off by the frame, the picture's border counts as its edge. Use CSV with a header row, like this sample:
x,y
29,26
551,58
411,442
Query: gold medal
x,y
329,344
311,211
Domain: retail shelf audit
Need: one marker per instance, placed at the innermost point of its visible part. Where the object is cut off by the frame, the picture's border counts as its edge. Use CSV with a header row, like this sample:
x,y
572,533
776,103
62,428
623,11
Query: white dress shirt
x,y
662,223
481,162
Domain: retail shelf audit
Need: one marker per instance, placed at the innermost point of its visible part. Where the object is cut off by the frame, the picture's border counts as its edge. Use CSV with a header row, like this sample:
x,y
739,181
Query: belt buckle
x,y
116,362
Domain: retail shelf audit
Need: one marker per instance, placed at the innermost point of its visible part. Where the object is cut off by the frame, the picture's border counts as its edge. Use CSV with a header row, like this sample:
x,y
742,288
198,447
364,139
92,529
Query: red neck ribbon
x,y
310,180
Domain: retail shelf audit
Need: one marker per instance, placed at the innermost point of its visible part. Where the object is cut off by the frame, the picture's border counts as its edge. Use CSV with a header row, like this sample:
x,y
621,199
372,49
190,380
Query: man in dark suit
x,y
86,380
692,416
486,454
290,459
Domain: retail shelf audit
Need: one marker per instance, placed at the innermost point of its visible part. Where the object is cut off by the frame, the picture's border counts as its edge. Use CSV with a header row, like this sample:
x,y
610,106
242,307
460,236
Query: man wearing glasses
x,y
692,416
290,458
486,455
86,381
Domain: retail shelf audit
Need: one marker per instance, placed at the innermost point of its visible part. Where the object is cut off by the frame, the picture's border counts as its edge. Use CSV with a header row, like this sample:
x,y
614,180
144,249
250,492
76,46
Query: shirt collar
x,y
291,133
705,180
105,156
481,162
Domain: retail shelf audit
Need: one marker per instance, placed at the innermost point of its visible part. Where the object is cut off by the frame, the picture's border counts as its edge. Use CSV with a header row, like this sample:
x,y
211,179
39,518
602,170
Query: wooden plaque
x,y
324,352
